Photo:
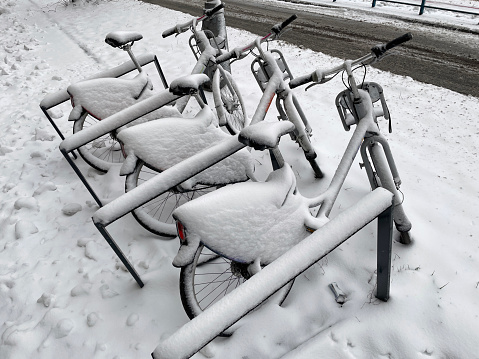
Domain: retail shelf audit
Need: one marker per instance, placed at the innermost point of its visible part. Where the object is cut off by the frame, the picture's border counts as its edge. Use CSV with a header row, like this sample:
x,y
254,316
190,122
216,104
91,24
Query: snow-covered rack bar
x,y
227,311
59,97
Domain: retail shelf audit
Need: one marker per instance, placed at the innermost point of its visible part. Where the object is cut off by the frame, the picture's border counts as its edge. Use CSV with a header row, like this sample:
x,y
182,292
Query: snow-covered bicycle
x,y
272,73
229,235
97,99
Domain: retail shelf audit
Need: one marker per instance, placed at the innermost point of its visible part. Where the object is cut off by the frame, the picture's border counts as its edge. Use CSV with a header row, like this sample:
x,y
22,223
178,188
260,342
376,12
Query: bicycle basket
x,y
262,72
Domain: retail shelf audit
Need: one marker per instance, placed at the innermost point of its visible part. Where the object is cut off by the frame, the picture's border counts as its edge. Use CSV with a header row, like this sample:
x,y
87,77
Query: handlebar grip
x,y
379,50
169,32
398,41
301,80
226,56
279,27
210,12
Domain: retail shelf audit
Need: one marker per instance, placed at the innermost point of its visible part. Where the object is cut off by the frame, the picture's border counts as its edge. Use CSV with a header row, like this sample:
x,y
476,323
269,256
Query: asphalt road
x,y
445,57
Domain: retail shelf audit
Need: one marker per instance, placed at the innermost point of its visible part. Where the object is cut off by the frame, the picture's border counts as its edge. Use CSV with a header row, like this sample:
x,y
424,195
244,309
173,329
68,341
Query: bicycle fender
x,y
186,253
129,164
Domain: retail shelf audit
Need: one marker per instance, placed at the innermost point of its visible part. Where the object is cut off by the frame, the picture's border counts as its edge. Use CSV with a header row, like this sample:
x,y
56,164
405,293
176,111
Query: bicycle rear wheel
x,y
156,215
210,277
102,152
228,102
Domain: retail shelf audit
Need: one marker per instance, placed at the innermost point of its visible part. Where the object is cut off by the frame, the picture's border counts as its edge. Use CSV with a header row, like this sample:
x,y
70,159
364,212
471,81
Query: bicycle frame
x,y
277,86
366,138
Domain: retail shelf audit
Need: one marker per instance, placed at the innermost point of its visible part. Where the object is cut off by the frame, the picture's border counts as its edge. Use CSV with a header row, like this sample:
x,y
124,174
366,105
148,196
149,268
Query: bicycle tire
x,y
381,166
229,104
221,276
156,215
102,152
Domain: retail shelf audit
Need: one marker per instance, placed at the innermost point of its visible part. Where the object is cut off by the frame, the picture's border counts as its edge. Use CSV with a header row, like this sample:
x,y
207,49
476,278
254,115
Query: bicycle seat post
x,y
127,48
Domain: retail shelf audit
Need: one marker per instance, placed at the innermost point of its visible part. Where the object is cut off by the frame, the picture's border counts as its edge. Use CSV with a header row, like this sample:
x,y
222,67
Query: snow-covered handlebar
x,y
180,28
237,52
377,52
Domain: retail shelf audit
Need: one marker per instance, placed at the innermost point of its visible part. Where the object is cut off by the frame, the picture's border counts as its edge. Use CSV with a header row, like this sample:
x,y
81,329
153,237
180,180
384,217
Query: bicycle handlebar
x,y
210,12
279,27
180,28
377,51
238,51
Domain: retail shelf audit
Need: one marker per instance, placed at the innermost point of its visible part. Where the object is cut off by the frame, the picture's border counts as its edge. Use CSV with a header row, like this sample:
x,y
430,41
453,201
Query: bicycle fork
x,y
301,133
381,157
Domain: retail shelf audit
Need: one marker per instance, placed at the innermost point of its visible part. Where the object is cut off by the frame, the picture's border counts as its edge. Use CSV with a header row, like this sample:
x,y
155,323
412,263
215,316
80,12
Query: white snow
x,y
64,293
152,142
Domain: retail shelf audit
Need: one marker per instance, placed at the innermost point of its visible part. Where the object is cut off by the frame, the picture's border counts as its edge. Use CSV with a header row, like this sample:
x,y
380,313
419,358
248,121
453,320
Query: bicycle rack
x,y
59,97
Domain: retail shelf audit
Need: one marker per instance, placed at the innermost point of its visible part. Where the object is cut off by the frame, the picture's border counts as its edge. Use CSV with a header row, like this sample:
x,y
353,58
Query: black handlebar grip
x,y
399,40
169,32
379,50
214,10
225,57
301,80
279,27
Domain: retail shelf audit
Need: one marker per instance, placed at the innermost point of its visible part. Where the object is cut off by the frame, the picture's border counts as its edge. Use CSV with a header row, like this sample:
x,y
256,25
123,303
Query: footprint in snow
x,y
4,150
91,250
132,319
46,299
92,319
47,186
43,135
71,208
81,289
8,187
55,113
63,328
37,154
106,292
42,66
26,202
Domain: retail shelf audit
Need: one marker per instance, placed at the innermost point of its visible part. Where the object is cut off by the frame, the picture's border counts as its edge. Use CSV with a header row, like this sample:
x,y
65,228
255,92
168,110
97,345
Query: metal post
x,y
421,9
80,175
385,235
119,253
217,25
55,127
160,72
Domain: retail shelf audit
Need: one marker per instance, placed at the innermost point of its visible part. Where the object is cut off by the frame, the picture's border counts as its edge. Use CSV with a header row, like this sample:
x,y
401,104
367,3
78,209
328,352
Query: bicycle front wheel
x,y
102,152
228,102
156,215
210,277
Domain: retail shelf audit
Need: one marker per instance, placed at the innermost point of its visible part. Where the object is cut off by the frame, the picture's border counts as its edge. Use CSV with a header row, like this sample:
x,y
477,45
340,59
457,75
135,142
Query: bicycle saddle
x,y
188,85
121,38
105,96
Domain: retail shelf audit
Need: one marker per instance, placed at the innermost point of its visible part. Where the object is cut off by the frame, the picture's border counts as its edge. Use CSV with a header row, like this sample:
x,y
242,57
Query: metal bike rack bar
x,y
227,311
59,97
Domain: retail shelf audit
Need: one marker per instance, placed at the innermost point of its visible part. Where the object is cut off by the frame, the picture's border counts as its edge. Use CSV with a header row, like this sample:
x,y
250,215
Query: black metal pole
x,y
82,178
385,235
119,253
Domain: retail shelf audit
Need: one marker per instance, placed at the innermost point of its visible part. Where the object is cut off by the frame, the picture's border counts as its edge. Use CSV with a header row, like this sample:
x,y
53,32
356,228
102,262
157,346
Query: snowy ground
x,y
63,293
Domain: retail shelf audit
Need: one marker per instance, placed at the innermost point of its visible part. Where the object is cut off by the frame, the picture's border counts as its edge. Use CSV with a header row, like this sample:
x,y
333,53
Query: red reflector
x,y
181,231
